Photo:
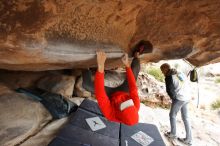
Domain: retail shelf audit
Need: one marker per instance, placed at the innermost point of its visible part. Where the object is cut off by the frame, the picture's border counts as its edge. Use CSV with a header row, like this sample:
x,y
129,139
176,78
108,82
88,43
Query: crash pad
x,y
140,134
87,126
91,106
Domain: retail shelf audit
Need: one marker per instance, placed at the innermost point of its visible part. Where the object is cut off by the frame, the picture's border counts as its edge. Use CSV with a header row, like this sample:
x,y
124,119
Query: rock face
x,y
45,35
152,92
20,116
57,83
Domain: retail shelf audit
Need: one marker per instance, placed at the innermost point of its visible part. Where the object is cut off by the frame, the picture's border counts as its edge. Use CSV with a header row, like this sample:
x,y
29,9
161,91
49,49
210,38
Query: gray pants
x,y
176,106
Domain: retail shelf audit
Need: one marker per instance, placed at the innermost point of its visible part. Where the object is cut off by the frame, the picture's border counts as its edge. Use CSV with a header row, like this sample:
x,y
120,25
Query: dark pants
x,y
89,85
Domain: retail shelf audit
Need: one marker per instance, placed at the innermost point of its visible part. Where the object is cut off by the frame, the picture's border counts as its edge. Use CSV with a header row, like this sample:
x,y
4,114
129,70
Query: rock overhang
x,y
49,35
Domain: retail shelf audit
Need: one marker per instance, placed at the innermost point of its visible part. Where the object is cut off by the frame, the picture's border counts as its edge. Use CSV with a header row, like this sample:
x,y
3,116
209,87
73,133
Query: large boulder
x,y
17,79
47,134
20,116
79,91
45,35
151,91
58,83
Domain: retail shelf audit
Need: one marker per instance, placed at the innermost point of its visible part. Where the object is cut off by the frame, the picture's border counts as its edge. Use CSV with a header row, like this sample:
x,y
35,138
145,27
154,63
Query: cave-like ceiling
x,y
56,34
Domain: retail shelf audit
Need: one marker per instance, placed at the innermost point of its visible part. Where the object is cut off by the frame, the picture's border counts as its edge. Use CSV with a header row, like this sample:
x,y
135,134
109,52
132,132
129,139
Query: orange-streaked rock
x,y
46,35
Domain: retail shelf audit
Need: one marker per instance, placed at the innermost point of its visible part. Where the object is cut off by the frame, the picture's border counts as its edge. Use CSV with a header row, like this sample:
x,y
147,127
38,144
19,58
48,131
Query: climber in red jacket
x,y
119,104
121,107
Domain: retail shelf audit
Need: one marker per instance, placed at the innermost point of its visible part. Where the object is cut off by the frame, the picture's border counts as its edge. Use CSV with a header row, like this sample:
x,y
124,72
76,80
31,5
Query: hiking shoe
x,y
187,142
170,135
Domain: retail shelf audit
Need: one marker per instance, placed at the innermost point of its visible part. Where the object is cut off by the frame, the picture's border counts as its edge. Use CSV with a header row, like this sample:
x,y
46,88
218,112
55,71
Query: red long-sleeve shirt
x,y
111,108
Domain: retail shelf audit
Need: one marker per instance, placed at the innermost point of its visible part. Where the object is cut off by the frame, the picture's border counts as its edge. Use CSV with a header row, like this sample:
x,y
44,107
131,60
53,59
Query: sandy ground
x,y
205,124
205,121
208,92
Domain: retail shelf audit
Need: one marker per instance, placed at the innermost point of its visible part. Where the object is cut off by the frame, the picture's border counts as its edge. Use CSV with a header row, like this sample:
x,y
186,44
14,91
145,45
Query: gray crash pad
x,y
79,131
80,135
150,131
79,120
90,106
61,142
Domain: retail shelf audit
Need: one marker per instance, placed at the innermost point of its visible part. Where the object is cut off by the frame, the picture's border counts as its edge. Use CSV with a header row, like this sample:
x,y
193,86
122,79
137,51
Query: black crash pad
x,y
78,133
149,129
91,106
78,120
61,142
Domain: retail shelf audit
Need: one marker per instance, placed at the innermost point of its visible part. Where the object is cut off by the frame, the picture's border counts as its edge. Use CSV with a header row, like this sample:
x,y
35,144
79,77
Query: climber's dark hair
x,y
148,47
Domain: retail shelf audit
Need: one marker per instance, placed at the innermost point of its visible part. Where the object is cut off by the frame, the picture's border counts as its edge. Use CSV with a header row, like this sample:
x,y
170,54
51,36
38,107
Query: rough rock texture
x,y
80,91
16,79
53,81
152,92
54,34
20,116
58,83
46,135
